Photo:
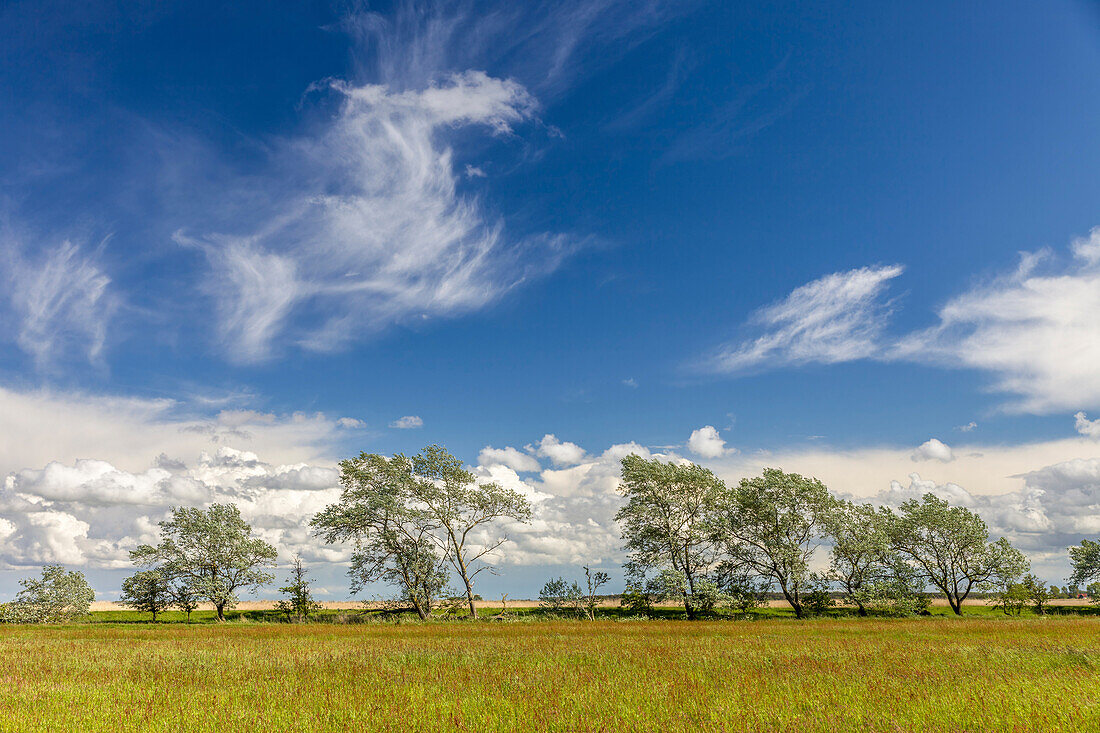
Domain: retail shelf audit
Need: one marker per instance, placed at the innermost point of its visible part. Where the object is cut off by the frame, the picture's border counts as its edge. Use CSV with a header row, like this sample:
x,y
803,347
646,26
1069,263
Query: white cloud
x,y
1086,427
630,382
507,456
837,318
560,453
706,442
61,300
407,422
1037,331
380,232
967,428
350,423
933,450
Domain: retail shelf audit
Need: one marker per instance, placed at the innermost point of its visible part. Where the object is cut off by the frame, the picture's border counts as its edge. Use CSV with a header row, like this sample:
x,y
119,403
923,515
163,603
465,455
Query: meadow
x,y
984,672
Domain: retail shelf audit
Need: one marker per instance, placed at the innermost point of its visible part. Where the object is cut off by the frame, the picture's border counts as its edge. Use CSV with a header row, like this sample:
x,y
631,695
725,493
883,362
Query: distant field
x,y
985,673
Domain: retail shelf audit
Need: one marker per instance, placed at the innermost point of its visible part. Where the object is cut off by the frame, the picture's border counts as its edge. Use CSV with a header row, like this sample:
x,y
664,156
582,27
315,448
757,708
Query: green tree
x,y
1004,582
378,511
299,604
1038,593
559,594
212,551
860,556
771,525
949,546
462,509
668,521
148,591
55,597
183,598
1086,564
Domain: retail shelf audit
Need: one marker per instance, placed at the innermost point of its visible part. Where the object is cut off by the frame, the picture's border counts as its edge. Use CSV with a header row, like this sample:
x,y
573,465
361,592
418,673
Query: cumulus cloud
x,y
933,450
60,298
350,423
967,428
560,453
507,456
838,318
1086,427
706,442
407,422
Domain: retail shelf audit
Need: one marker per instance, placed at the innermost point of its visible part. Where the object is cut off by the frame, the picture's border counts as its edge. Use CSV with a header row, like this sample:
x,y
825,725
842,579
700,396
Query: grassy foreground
x,y
987,674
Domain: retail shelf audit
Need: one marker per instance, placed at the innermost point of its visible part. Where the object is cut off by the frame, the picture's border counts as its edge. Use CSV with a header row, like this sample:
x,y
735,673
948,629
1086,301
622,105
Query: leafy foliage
x,y
210,551
57,596
148,591
300,604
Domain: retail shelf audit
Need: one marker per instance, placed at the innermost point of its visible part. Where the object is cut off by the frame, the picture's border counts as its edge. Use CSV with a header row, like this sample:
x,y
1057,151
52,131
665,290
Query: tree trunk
x,y
956,605
469,587
420,610
220,607
861,610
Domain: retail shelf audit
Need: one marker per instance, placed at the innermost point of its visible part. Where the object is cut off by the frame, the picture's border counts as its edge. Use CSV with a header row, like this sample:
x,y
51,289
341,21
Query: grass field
x,y
982,673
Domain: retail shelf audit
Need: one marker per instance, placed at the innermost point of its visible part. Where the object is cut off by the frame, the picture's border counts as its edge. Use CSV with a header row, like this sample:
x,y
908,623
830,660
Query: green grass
x,y
984,672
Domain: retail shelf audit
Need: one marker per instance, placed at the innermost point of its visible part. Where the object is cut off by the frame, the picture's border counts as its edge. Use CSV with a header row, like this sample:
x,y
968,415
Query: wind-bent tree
x,y
950,547
668,522
771,524
57,596
212,552
861,545
461,509
393,537
147,591
1086,563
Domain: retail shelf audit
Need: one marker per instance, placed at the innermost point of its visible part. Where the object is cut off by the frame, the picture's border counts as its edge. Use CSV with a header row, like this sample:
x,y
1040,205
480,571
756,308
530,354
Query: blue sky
x,y
826,234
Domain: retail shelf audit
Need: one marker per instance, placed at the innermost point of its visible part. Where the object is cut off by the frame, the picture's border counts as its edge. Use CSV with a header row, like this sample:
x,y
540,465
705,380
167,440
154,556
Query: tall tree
x,y
148,591
668,521
1086,563
212,551
859,558
771,525
408,516
462,509
950,547
393,537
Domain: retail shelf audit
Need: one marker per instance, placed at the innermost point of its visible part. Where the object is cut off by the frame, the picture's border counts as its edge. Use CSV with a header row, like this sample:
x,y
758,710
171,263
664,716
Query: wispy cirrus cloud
x,y
1036,330
60,299
837,318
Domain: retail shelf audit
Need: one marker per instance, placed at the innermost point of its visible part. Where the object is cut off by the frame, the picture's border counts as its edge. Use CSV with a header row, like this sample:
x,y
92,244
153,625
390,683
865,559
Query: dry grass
x,y
987,674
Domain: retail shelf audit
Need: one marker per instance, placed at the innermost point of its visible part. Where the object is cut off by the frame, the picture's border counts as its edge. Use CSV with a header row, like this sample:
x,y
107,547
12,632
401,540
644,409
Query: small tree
x,y
558,594
860,556
147,591
56,597
1009,567
593,581
1037,593
300,603
183,598
212,551
744,591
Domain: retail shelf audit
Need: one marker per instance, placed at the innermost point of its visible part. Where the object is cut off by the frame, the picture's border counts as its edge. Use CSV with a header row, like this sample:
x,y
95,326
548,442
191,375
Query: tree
x,y
861,548
1038,593
770,525
949,547
1004,582
1086,564
212,551
593,582
183,598
148,591
558,594
668,521
57,596
393,539
460,507
300,603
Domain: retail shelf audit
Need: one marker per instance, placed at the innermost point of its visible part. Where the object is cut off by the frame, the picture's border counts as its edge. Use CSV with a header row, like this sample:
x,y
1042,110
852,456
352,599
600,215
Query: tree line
x,y
420,522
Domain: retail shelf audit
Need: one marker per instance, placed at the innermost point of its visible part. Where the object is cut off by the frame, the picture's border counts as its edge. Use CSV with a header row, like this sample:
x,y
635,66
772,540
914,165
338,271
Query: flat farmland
x,y
939,674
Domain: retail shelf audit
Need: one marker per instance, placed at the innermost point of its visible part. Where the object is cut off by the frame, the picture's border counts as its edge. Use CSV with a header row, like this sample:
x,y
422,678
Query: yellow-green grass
x,y
942,674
